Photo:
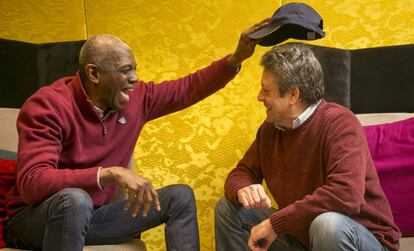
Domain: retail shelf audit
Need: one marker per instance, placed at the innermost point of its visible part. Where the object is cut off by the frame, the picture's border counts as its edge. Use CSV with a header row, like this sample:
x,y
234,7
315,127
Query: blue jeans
x,y
66,221
328,232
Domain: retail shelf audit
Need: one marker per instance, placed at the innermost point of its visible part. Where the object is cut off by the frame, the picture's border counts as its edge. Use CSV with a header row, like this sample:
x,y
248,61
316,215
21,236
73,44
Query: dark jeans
x,y
328,232
233,223
66,221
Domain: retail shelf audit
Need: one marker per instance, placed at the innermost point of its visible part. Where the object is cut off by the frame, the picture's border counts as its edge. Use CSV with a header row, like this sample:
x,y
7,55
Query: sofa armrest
x,y
8,131
381,118
132,245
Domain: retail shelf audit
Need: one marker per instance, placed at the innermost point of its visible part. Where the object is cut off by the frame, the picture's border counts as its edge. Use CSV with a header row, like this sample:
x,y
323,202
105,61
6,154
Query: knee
x,y
227,211
328,227
183,195
74,201
222,208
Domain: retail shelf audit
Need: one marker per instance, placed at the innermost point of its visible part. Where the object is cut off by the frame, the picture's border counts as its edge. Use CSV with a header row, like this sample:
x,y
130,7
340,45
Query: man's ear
x,y
92,73
294,95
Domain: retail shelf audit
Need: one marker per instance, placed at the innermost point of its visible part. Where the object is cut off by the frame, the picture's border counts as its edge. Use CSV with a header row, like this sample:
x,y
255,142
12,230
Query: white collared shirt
x,y
302,117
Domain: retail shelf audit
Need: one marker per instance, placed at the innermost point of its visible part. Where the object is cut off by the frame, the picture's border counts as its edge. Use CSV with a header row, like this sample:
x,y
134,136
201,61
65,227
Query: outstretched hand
x,y
139,189
245,47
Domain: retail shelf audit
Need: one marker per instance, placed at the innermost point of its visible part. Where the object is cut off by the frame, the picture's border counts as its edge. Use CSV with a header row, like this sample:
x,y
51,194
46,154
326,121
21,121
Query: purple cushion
x,y
392,149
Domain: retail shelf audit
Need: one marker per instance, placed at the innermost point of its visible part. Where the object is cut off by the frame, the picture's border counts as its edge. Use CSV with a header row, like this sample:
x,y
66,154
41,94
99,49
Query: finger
x,y
258,26
249,198
266,20
265,201
130,200
244,202
262,23
251,244
138,203
157,204
255,196
147,202
268,203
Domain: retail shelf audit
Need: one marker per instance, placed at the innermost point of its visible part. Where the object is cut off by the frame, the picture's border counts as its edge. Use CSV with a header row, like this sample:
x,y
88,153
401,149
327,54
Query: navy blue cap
x,y
292,20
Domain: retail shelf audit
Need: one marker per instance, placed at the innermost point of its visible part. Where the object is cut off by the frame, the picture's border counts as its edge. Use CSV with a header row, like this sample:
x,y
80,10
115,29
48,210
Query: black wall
x,y
366,81
369,80
25,67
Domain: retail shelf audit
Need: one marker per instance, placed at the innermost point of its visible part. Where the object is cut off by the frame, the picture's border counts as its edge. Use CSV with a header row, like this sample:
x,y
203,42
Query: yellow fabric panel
x,y
355,24
39,21
200,145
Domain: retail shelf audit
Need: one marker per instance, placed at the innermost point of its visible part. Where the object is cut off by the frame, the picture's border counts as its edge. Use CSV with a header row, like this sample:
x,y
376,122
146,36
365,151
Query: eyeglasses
x,y
266,92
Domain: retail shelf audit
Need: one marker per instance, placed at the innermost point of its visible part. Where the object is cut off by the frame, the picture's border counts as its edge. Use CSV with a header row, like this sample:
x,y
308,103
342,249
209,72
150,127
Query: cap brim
x,y
263,32
287,31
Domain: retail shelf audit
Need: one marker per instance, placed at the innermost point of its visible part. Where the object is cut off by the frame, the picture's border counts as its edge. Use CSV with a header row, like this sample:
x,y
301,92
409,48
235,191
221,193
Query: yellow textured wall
x,y
41,21
199,146
354,24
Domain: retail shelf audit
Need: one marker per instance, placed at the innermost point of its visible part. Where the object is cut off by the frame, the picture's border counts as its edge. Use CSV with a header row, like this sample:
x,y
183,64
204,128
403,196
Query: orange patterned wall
x,y
170,38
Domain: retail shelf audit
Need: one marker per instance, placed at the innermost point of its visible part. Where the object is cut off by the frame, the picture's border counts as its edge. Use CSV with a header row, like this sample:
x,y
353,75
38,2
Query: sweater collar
x,y
82,100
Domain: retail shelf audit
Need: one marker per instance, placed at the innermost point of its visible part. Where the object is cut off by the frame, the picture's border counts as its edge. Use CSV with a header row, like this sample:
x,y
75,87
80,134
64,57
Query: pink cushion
x,y
392,149
7,180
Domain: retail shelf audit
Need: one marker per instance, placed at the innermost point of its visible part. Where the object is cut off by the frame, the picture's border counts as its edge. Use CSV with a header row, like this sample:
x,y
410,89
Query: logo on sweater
x,y
122,120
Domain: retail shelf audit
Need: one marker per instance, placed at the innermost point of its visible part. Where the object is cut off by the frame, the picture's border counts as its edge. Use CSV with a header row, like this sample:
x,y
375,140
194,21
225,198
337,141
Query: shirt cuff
x,y
97,178
238,69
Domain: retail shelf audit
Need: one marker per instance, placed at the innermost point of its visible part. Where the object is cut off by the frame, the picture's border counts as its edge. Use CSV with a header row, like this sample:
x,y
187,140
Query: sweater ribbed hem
x,y
279,222
232,189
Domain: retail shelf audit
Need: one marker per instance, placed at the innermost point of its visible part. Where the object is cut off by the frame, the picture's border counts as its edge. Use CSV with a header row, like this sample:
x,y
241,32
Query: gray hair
x,y
295,65
100,50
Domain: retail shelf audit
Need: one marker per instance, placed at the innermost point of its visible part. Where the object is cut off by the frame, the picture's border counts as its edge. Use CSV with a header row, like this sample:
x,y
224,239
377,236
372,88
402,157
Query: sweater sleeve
x,y
41,130
247,172
346,160
174,95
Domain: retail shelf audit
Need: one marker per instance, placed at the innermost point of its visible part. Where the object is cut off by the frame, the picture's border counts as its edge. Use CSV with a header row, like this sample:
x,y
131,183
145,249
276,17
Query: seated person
x,y
314,158
76,137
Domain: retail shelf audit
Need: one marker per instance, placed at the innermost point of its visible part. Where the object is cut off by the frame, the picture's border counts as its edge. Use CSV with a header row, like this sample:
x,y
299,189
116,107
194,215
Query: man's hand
x,y
261,236
246,46
139,189
253,196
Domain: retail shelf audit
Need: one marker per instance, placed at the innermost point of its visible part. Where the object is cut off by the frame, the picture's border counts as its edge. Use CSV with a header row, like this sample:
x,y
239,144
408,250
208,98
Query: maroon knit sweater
x,y
62,141
323,165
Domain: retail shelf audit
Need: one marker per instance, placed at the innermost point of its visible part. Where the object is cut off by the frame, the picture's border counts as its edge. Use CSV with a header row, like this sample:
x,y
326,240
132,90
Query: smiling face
x,y
116,82
278,107
292,80
107,70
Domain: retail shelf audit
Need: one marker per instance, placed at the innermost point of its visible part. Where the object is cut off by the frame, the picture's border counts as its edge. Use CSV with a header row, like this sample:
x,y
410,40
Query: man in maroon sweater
x,y
76,138
314,158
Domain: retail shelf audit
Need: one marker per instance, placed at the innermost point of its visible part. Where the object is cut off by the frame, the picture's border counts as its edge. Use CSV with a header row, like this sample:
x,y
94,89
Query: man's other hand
x,y
261,236
138,188
253,196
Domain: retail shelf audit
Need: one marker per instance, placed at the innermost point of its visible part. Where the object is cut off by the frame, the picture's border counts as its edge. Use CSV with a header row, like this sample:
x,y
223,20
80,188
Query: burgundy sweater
x,y
323,165
63,142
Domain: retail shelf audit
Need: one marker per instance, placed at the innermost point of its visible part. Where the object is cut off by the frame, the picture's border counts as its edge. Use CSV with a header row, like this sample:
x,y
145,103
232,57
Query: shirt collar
x,y
302,117
102,116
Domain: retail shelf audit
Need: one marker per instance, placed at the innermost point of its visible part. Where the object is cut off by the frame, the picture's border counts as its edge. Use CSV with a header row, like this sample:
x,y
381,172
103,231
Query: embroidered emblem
x,y
122,120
